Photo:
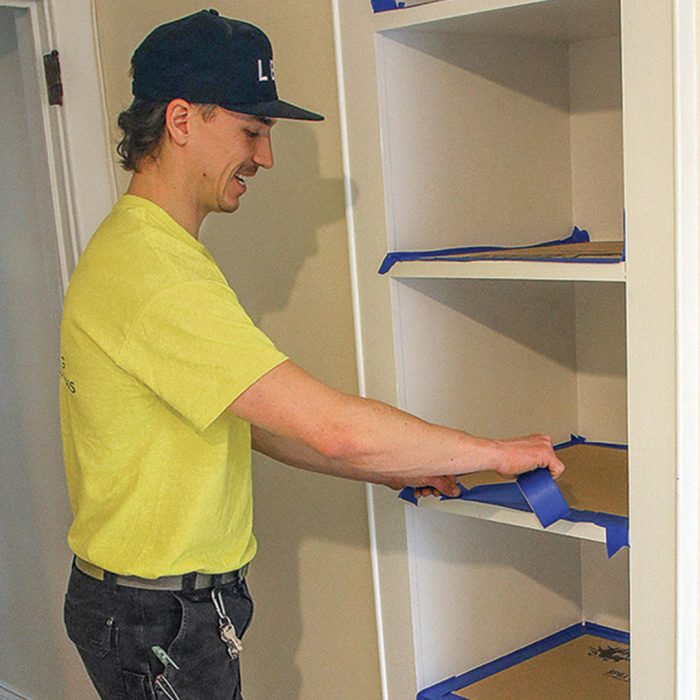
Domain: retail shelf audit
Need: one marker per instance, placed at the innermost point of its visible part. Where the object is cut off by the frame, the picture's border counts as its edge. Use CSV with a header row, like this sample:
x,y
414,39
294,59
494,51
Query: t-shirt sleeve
x,y
196,348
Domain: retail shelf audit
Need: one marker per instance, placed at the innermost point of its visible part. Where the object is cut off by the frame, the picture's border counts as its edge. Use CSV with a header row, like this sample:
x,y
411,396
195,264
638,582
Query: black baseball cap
x,y
210,59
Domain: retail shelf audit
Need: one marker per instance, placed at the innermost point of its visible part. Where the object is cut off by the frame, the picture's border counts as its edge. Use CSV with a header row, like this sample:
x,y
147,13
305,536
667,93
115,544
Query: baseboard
x,y
7,694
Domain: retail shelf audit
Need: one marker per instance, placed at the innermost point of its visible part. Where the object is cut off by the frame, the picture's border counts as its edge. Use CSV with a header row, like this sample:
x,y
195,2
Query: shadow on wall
x,y
262,247
261,250
312,552
519,311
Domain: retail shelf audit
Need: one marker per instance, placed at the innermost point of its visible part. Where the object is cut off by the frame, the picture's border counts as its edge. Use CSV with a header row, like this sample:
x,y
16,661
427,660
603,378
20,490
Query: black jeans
x,y
114,629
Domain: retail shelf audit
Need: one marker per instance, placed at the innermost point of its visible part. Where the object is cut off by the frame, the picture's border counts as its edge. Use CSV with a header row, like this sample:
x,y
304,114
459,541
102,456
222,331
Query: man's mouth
x,y
241,175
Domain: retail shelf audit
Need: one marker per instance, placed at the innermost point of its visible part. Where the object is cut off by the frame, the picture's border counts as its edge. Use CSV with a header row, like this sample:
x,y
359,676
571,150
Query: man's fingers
x,y
446,485
556,468
438,486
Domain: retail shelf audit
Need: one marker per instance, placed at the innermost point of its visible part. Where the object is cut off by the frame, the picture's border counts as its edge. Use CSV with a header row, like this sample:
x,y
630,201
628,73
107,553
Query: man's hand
x,y
432,486
524,454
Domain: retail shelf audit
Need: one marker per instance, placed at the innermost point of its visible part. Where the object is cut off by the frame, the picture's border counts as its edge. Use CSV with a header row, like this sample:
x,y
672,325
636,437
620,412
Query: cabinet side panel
x,y
373,323
596,137
651,309
601,354
605,586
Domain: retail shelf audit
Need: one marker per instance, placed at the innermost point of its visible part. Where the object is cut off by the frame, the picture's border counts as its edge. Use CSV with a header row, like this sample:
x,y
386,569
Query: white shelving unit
x,y
504,122
509,270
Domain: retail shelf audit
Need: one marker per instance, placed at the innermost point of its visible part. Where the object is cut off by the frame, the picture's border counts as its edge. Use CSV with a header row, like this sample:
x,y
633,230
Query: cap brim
x,y
276,109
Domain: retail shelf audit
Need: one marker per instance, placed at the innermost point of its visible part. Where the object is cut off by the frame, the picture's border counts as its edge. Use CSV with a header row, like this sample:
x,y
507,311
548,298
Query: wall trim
x,y
84,136
688,377
7,694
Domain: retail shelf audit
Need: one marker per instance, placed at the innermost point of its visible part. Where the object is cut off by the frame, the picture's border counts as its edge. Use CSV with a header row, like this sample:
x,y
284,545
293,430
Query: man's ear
x,y
177,120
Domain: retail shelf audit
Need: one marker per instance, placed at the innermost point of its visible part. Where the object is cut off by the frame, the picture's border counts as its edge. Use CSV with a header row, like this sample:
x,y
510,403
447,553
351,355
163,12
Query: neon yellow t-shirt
x,y
154,348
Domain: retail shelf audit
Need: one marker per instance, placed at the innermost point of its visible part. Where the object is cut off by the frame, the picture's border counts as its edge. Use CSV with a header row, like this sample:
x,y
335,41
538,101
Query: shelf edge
x,y
416,15
507,516
511,269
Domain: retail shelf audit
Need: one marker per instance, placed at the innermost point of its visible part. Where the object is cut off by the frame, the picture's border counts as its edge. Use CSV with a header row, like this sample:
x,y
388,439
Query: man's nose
x,y
263,153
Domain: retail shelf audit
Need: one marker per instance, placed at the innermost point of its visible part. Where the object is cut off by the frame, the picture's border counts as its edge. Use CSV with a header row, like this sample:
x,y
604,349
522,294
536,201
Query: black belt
x,y
183,582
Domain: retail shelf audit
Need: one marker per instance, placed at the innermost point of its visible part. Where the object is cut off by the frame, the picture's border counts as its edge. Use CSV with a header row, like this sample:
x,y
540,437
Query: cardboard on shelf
x,y
584,668
599,250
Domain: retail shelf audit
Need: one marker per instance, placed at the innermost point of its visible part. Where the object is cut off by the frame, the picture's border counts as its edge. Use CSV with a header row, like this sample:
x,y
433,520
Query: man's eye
x,y
252,133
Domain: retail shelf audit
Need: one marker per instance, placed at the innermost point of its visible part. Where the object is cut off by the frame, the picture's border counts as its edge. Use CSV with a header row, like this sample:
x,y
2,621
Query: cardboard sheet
x,y
595,478
576,248
586,668
570,251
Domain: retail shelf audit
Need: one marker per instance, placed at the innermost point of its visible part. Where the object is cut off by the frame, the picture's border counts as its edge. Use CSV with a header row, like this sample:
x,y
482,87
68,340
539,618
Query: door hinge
x,y
52,70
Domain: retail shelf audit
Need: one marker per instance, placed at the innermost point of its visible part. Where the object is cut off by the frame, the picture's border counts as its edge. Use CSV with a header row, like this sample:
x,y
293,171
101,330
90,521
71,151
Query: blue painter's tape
x,y
444,689
509,495
409,495
441,691
384,5
616,527
579,440
607,633
577,236
543,496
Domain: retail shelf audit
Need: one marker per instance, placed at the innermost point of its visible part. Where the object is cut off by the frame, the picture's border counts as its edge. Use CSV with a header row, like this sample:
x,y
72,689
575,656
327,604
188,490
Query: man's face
x,y
229,148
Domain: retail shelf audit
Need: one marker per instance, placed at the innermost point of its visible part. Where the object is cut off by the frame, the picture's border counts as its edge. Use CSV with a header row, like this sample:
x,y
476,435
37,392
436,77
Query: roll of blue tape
x,y
543,496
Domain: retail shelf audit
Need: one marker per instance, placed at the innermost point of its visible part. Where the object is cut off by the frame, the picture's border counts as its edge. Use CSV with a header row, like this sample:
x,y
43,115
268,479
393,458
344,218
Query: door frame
x,y
688,341
81,170
75,135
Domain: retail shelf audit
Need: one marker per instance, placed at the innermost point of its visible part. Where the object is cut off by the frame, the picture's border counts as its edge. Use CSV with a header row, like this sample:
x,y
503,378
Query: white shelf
x,y
511,269
595,480
553,19
436,11
498,514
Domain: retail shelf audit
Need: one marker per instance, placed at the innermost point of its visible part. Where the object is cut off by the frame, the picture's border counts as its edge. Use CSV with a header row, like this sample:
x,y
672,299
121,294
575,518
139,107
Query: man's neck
x,y
170,194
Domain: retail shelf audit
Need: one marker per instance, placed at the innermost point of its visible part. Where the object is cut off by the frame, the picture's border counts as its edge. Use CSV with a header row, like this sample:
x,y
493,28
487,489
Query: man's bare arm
x,y
369,440
296,454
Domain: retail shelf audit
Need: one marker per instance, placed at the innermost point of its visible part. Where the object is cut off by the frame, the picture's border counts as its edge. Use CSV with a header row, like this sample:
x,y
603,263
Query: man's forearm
x,y
384,444
368,440
378,438
294,453
320,428
297,454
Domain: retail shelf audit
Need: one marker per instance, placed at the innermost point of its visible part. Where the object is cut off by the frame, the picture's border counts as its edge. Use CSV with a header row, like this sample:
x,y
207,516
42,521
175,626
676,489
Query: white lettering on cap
x,y
269,75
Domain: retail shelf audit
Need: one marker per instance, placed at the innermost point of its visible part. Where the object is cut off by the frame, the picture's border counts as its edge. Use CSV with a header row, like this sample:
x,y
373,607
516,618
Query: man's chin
x,y
228,207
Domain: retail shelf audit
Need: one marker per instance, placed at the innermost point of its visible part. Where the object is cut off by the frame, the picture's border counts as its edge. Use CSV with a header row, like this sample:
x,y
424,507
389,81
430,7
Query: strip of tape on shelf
x,y
444,689
509,495
577,236
384,5
580,440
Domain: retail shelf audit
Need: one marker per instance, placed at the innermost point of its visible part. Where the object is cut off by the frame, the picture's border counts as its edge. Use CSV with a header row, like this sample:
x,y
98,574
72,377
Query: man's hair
x,y
142,125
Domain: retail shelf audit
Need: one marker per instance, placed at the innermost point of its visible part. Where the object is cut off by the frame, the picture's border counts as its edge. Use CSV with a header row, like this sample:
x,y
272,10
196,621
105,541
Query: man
x,y
166,383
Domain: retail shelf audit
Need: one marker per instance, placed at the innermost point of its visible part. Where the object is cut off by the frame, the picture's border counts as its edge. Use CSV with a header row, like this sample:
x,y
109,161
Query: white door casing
x,y
76,133
58,185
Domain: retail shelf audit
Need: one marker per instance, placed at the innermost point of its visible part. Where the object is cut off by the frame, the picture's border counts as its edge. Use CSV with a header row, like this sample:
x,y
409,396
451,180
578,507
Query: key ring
x,y
218,601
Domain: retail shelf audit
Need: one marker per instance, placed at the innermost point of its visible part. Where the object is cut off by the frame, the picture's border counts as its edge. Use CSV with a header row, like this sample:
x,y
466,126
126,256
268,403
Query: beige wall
x,y
285,254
